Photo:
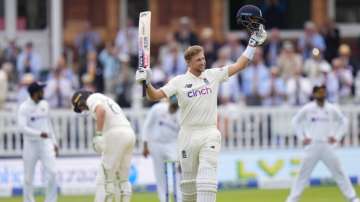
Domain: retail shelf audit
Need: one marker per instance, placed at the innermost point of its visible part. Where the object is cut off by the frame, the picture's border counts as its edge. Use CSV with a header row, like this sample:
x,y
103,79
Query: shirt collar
x,y
188,73
31,101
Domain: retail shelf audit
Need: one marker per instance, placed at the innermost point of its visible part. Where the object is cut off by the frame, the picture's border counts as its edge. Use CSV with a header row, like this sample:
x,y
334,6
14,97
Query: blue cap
x,y
35,87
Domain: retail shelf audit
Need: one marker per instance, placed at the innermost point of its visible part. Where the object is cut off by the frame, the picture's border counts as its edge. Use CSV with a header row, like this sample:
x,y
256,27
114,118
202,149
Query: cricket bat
x,y
144,42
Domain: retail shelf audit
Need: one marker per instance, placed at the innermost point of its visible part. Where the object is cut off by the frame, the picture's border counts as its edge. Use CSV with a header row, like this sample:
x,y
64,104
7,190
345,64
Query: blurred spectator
x,y
331,81
254,80
173,62
87,41
67,72
5,71
289,61
274,13
127,42
298,89
94,70
11,52
58,90
10,55
331,36
165,48
349,62
272,47
29,62
22,92
185,36
312,66
124,88
236,48
210,46
310,39
345,80
158,76
109,59
229,90
275,92
87,81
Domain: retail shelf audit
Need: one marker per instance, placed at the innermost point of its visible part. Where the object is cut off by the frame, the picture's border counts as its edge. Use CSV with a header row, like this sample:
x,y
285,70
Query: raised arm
x,y
257,38
154,94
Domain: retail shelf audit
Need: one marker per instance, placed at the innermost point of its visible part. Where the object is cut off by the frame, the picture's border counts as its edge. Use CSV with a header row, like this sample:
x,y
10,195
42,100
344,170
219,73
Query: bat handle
x,y
144,88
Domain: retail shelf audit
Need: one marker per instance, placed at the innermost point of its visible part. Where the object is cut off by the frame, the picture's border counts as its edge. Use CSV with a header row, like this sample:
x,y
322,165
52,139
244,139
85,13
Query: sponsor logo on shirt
x,y
189,85
199,92
184,155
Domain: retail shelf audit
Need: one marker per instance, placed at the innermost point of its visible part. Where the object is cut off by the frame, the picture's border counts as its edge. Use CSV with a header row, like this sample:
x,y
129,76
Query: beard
x,y
320,99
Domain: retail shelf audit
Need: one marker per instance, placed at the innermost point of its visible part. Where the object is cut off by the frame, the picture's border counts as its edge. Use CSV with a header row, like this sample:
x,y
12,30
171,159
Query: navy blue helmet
x,y
250,17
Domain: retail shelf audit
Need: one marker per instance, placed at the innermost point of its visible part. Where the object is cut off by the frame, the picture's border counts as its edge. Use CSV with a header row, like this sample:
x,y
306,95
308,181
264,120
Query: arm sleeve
x,y
298,125
220,73
341,123
24,128
92,102
170,88
149,122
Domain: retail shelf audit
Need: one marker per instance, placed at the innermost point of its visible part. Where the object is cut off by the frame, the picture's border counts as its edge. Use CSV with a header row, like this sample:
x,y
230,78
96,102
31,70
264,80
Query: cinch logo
x,y
199,92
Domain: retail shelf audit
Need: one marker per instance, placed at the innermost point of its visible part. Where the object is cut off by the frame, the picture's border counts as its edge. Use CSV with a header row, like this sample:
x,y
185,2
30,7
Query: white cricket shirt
x,y
114,116
160,125
319,123
197,96
33,119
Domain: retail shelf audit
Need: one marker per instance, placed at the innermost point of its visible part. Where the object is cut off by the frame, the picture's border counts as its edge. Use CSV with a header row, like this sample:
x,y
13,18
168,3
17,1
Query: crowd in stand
x,y
281,73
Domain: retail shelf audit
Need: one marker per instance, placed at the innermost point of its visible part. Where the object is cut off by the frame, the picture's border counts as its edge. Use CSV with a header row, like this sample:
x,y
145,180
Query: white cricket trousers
x,y
315,152
43,150
112,181
161,152
198,151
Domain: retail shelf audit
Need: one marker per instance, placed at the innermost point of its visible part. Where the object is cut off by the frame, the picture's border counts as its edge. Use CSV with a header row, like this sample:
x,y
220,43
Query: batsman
x,y
199,140
114,139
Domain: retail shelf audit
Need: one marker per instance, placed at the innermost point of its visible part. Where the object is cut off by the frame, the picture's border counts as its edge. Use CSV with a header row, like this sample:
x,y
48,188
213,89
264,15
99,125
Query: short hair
x,y
191,51
318,87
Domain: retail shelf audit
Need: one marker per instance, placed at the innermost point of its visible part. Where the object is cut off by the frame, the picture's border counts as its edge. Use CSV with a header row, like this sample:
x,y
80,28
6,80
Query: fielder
x,y
39,142
114,139
320,125
160,132
199,139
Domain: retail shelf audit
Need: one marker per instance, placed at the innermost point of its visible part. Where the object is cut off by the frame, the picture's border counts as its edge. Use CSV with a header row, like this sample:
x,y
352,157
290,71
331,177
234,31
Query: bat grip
x,y
144,88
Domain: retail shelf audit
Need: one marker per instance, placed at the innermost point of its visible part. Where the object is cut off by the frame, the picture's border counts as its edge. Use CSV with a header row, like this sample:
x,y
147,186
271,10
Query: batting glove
x,y
98,142
258,37
143,74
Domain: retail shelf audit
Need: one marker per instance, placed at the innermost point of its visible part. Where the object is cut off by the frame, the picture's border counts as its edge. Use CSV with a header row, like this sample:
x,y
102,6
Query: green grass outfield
x,y
314,194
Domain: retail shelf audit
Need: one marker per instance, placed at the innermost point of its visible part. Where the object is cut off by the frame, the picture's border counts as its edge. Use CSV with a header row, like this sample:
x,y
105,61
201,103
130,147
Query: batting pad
x,y
206,180
124,191
188,190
